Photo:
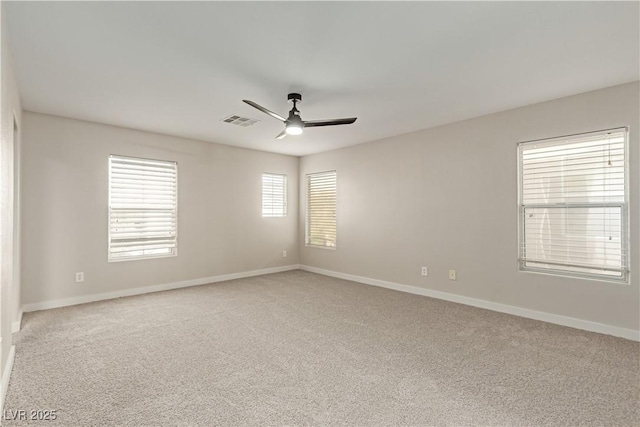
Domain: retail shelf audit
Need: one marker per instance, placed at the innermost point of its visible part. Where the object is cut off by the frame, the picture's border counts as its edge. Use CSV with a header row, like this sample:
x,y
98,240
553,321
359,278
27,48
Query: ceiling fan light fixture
x,y
293,129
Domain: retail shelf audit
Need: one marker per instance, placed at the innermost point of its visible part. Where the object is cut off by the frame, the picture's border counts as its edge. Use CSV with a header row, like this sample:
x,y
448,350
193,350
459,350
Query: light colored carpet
x,y
298,348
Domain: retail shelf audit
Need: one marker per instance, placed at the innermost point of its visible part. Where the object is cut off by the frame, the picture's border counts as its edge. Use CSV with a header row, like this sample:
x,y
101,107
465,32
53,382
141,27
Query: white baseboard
x,y
6,375
572,322
45,305
16,326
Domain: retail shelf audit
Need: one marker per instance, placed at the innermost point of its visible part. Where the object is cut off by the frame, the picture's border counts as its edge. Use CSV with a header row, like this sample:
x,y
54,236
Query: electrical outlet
x,y
452,275
79,277
284,254
424,271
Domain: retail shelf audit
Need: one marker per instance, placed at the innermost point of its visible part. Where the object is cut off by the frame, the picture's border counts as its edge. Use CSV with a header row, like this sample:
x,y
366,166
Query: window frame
x,y
306,215
139,257
624,222
285,208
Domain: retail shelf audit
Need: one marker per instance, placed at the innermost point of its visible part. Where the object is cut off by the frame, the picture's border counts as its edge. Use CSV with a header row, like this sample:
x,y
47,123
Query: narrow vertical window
x,y
321,209
573,205
274,195
143,208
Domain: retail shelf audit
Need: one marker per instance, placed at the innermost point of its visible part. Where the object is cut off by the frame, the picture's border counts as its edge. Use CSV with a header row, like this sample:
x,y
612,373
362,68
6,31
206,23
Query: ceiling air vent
x,y
240,121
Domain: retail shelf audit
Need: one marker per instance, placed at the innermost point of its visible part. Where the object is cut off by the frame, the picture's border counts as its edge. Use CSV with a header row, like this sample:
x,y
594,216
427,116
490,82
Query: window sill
x,y
331,248
560,274
140,258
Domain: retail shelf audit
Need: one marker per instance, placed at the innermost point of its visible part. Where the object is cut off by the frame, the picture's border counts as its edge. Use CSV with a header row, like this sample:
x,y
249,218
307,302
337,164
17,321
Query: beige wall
x,y
9,277
65,190
446,198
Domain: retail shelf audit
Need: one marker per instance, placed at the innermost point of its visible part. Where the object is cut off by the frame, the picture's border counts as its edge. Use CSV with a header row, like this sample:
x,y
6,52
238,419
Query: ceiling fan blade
x,y
265,110
334,122
282,134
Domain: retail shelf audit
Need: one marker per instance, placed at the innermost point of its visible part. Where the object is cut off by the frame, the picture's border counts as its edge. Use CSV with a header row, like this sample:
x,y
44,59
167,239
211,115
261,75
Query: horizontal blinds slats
x,y
148,220
274,195
132,168
164,175
135,214
572,165
576,155
136,183
600,185
321,209
118,203
587,168
142,233
573,204
142,207
552,233
167,197
593,179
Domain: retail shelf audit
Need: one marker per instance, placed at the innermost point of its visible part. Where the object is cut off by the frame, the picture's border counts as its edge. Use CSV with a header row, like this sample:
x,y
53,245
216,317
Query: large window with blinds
x,y
143,208
274,195
321,209
573,205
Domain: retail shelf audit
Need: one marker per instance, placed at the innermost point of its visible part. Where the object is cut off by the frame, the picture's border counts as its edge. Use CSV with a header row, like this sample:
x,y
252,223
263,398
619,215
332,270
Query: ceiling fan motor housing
x,y
295,120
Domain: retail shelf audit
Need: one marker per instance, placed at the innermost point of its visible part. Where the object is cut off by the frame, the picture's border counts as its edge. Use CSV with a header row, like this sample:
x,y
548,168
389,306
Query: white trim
x,y
17,325
571,322
6,375
17,225
45,305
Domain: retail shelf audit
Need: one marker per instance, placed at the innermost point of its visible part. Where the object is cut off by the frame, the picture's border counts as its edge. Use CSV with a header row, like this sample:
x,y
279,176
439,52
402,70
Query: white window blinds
x,y
274,195
143,204
573,204
321,209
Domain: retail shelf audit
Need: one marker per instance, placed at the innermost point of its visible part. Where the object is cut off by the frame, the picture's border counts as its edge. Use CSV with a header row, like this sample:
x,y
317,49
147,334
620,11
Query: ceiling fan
x,y
293,124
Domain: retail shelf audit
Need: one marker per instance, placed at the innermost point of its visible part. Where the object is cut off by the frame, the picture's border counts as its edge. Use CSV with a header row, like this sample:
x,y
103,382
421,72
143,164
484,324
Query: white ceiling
x,y
179,68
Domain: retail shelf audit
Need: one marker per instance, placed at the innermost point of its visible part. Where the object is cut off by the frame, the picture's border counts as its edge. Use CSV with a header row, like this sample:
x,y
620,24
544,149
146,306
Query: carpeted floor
x,y
298,348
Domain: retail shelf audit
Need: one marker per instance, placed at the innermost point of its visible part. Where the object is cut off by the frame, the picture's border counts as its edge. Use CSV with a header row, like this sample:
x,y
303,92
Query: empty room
x,y
320,213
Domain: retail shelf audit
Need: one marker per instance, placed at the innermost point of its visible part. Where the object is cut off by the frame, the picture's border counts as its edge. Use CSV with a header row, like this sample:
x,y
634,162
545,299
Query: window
x,y
143,207
321,209
573,205
274,195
